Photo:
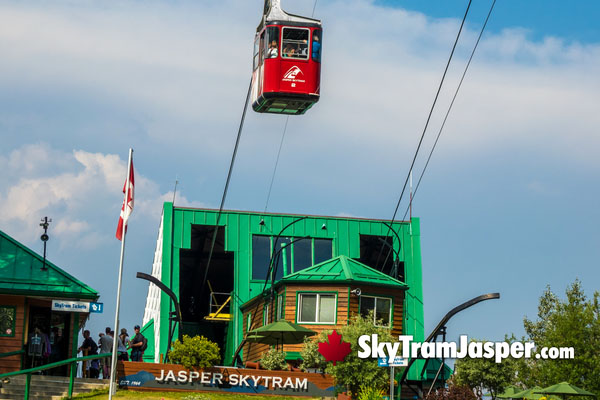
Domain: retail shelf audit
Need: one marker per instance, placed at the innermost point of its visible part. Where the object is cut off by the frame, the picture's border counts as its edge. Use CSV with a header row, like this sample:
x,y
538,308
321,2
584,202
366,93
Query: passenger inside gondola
x,y
295,42
272,53
316,48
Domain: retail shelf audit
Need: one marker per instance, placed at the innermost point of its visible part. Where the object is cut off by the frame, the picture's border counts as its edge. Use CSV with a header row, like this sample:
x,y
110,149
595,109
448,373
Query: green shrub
x,y
195,352
355,372
274,360
369,393
311,358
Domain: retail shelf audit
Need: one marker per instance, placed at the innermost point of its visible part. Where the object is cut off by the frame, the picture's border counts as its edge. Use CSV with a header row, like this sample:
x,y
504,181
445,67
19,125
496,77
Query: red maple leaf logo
x,y
335,350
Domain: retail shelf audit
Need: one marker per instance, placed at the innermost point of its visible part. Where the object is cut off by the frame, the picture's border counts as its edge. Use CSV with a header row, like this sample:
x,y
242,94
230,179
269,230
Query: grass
x,y
130,394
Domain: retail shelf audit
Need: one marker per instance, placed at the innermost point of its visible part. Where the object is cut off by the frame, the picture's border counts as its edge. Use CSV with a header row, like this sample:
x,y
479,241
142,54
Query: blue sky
x,y
572,21
508,204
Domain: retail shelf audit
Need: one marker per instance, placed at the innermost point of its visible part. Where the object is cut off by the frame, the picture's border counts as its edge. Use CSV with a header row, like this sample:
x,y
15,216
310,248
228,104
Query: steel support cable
x,y
437,94
233,156
452,103
276,163
281,143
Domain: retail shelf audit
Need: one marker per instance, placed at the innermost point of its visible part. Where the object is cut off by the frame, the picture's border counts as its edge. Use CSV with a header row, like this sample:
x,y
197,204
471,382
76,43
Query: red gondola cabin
x,y
286,76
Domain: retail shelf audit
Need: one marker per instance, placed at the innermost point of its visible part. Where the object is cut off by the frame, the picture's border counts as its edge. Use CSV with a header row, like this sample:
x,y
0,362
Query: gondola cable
x,y
448,112
451,103
233,156
426,124
276,164
282,139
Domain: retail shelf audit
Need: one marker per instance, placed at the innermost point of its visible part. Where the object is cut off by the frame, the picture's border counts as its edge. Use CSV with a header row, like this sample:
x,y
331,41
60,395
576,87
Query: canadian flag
x,y
127,207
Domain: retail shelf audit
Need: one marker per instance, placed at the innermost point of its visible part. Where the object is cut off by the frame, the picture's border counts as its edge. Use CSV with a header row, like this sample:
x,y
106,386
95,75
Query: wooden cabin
x,y
38,300
325,297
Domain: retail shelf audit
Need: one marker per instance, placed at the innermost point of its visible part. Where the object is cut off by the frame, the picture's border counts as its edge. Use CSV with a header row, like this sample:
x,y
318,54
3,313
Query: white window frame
x,y
280,307
389,325
308,44
317,311
266,314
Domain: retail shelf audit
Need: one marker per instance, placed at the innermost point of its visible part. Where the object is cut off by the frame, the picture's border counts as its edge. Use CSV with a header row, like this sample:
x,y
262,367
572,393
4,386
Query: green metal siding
x,y
240,226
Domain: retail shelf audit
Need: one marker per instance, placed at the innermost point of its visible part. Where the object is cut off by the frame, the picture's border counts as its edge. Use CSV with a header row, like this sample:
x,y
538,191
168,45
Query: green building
x,y
239,266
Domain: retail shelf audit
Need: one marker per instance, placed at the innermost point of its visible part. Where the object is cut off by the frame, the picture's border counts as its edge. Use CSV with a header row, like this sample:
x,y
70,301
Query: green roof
x,y
343,269
21,273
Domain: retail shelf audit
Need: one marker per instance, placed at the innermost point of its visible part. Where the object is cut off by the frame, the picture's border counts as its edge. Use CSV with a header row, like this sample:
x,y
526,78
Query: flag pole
x,y
113,361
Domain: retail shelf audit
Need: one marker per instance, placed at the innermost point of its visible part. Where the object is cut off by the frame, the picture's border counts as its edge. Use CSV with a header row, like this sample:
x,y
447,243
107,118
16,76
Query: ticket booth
x,y
42,309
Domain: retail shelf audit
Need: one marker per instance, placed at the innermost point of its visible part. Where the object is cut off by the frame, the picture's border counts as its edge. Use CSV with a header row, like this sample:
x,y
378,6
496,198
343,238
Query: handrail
x,y
73,360
12,353
55,364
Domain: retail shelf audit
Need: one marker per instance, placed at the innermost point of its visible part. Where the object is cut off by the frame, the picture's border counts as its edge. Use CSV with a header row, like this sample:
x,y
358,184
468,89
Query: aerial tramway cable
x,y
452,103
448,111
426,124
282,139
235,149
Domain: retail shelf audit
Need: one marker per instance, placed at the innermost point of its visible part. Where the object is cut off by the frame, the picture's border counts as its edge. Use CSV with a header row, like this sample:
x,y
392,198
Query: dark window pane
x,y
383,310
323,250
261,254
376,253
366,304
308,308
302,254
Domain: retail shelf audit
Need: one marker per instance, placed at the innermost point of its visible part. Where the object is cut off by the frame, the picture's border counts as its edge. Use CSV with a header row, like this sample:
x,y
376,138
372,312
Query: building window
x,y
280,307
248,321
294,254
378,308
266,314
322,250
7,320
316,308
261,256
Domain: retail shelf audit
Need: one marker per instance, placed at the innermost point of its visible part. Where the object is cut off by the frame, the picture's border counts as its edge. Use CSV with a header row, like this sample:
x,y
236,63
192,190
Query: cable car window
x,y
316,44
256,47
272,43
295,43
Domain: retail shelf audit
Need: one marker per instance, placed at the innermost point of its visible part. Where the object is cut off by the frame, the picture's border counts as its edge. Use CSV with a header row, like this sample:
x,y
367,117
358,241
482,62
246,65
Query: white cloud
x,y
80,200
180,70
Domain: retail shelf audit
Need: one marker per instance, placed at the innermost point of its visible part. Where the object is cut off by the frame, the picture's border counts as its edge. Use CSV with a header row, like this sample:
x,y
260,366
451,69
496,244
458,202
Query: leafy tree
x,y
355,372
573,322
195,352
484,374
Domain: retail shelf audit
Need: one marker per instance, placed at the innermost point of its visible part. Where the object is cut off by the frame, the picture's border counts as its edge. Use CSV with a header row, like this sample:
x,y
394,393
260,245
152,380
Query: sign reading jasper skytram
x,y
147,376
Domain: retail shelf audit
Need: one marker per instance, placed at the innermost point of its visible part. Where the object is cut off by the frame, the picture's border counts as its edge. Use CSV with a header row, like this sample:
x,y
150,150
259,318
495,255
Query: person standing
x,y
106,345
89,347
137,345
123,344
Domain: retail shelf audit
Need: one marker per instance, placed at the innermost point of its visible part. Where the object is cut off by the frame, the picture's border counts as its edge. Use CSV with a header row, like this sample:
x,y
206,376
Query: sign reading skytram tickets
x,y
163,377
71,306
